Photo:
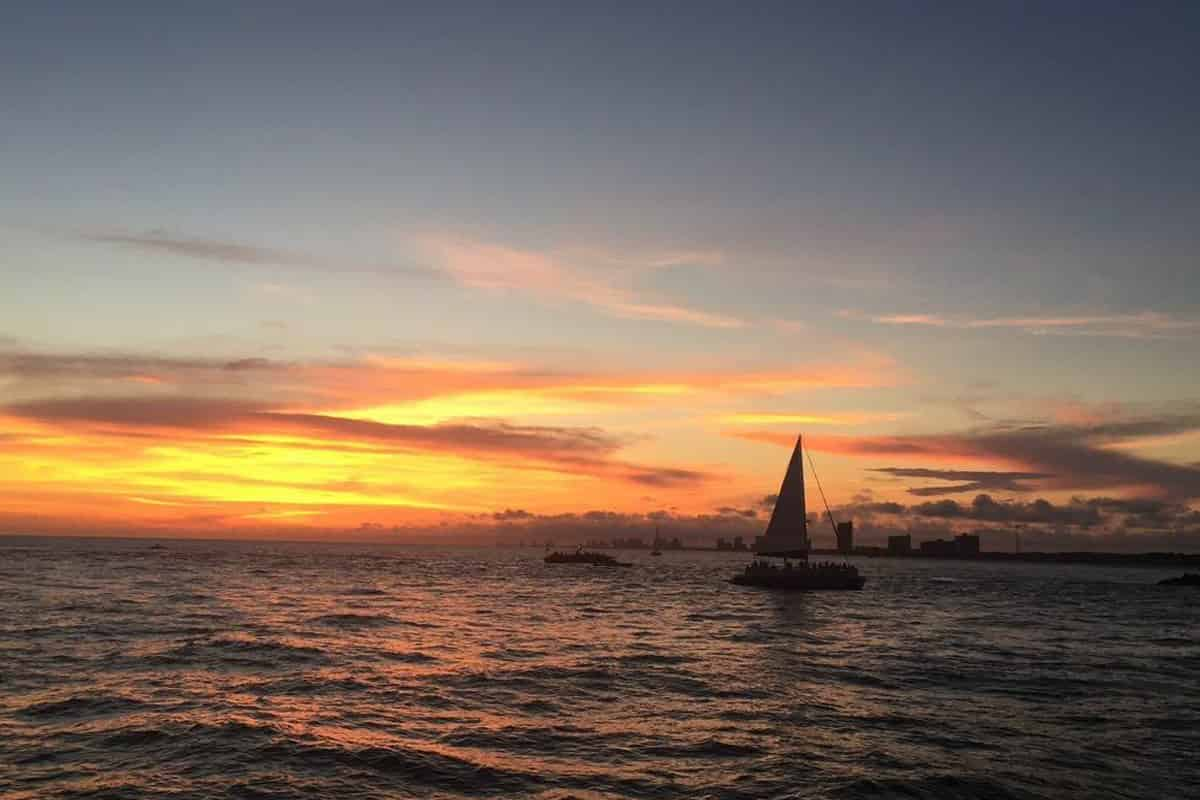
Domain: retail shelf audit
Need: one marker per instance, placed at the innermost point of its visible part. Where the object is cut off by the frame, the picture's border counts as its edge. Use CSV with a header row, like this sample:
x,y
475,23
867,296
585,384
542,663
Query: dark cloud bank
x,y
1082,524
1056,457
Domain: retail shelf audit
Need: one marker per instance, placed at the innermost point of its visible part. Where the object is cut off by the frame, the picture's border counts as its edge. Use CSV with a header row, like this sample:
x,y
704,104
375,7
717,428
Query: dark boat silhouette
x,y
657,551
786,538
581,556
800,576
1186,579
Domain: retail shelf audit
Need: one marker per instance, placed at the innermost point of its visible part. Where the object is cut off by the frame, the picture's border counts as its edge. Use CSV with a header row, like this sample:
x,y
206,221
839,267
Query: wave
x,y
423,768
638,659
415,623
90,705
238,652
352,620
557,739
410,657
709,748
513,654
933,787
539,707
135,737
188,597
306,685
540,678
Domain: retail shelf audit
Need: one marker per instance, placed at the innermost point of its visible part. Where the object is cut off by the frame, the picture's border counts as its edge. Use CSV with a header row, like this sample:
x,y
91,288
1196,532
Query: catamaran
x,y
786,538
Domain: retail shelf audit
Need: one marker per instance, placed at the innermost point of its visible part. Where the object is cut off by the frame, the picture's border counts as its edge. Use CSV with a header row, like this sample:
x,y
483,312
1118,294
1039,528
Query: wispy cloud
x,y
42,370
1135,325
847,418
669,313
374,380
231,252
206,249
485,265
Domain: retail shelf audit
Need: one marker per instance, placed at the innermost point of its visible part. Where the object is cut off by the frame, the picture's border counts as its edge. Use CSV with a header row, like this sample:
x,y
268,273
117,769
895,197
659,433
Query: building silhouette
x,y
939,547
845,537
899,545
964,545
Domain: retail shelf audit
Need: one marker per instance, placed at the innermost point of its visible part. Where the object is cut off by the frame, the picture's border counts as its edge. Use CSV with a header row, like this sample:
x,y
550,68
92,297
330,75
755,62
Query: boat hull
x,y
801,583
591,559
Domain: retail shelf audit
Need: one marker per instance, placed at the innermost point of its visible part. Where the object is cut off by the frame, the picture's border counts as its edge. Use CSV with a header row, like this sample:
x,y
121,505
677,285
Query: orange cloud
x,y
242,460
226,442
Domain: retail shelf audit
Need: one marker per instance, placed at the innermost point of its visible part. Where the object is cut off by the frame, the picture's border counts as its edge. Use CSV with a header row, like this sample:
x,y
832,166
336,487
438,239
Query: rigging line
x,y
822,491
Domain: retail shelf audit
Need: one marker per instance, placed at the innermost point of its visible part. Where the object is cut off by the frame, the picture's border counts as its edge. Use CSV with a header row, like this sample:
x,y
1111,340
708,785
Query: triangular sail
x,y
787,532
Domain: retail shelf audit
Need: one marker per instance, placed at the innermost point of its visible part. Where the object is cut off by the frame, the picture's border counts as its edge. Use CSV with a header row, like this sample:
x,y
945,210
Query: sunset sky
x,y
300,268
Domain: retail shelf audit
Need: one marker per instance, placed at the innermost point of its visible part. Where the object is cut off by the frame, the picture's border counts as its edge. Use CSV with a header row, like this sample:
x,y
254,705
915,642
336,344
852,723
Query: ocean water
x,y
267,670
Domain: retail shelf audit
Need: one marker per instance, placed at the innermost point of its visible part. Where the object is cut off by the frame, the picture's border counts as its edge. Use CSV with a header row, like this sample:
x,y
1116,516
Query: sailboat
x,y
657,551
786,537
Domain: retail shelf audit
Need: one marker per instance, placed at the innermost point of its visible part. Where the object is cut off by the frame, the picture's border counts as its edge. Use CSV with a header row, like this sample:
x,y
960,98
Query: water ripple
x,y
260,670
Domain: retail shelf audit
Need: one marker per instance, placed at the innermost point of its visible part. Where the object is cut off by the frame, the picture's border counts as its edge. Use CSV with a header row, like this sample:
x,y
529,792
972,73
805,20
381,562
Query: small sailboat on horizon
x,y
787,538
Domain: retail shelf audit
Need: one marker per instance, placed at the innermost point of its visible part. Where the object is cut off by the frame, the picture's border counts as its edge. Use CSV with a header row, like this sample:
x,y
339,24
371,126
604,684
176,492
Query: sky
x,y
453,268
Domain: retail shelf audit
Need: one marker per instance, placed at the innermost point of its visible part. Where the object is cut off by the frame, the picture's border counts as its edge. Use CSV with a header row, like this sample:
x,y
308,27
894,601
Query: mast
x,y
832,521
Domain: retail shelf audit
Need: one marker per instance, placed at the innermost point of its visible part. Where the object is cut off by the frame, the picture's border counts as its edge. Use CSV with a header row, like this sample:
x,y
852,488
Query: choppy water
x,y
293,670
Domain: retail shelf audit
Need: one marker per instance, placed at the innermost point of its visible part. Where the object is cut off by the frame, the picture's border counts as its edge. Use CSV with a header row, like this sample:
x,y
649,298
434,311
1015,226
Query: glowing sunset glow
x,y
604,293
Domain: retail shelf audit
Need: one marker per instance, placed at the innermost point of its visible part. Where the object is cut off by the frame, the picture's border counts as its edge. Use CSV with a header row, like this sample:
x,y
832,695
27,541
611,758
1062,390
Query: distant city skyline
x,y
293,270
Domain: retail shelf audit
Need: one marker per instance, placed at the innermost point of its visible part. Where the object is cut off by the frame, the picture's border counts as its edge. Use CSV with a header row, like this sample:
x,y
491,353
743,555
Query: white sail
x,y
787,532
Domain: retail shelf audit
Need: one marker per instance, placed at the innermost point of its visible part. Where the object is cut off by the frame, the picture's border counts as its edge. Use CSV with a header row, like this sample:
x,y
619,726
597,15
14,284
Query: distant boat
x,y
657,551
581,556
786,537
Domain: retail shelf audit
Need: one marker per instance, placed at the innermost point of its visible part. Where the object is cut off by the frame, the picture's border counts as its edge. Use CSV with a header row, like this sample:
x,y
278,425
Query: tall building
x,y
967,544
900,545
845,537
